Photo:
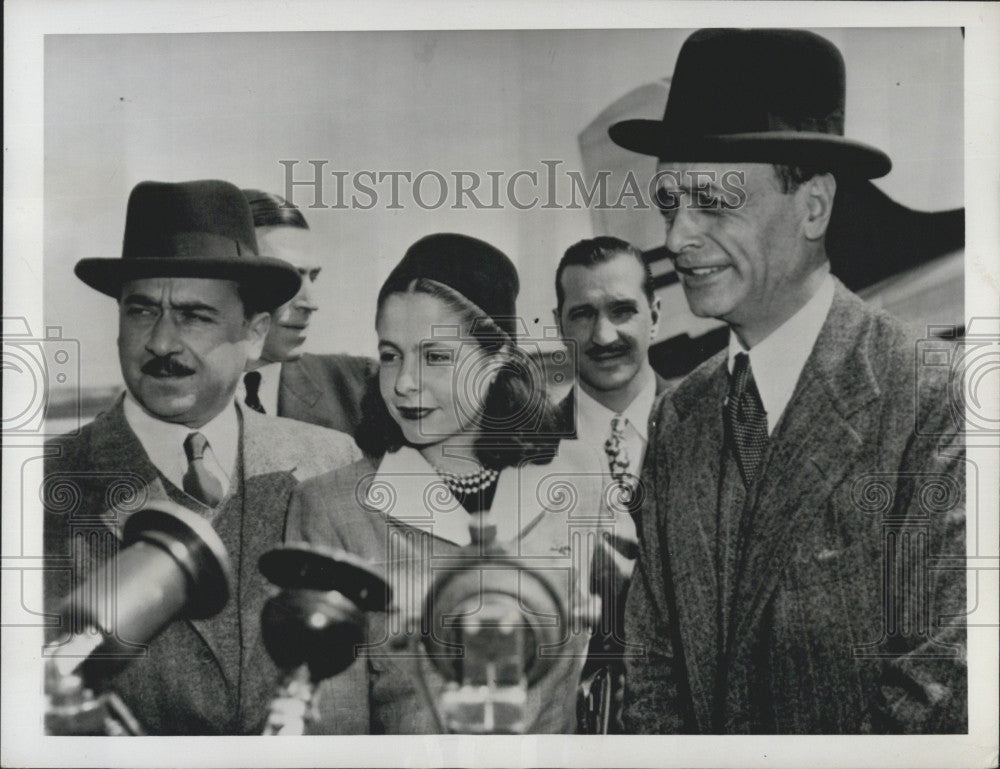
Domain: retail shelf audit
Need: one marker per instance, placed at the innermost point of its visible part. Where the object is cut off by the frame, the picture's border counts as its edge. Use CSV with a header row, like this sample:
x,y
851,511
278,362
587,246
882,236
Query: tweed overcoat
x,y
843,602
200,676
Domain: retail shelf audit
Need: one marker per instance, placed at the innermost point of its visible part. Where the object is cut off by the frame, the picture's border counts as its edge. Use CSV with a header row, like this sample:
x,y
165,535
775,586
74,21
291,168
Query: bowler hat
x,y
200,229
755,96
478,271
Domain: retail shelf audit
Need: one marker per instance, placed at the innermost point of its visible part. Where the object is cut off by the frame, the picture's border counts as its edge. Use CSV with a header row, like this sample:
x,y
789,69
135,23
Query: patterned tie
x,y
251,380
617,451
746,420
198,480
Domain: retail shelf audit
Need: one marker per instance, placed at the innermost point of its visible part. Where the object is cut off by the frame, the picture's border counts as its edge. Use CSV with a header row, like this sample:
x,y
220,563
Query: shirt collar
x,y
778,360
593,418
164,441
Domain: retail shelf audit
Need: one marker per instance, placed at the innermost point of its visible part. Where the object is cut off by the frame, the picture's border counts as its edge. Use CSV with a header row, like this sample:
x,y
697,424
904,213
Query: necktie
x,y
617,451
251,380
746,420
198,480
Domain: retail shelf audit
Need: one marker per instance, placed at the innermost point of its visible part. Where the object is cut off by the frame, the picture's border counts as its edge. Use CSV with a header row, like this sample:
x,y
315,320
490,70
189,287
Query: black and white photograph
x,y
534,385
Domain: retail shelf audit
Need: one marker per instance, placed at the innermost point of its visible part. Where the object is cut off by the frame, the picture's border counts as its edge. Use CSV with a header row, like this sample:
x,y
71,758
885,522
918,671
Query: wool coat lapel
x,y
690,524
116,449
298,392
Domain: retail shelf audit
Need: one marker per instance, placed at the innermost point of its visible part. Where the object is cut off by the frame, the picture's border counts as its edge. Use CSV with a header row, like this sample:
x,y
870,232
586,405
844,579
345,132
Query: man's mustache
x,y
618,348
165,367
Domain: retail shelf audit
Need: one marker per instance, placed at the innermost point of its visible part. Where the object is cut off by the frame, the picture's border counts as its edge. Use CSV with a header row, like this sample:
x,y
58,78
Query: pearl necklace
x,y
468,483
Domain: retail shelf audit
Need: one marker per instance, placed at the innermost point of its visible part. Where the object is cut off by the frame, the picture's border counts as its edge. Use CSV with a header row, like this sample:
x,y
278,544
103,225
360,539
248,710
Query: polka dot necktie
x,y
746,420
251,380
198,480
617,451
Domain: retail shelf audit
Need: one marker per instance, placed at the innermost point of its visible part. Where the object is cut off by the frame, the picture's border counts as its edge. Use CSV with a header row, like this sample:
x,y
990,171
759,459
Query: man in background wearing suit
x,y
194,303
321,389
606,309
787,477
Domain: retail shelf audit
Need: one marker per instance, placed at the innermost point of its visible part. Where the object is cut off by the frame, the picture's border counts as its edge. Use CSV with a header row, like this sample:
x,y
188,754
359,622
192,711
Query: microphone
x,y
171,564
495,617
312,626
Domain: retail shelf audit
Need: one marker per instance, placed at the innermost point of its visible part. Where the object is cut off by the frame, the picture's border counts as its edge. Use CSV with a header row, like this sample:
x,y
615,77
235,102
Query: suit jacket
x,y
409,527
325,390
199,676
820,626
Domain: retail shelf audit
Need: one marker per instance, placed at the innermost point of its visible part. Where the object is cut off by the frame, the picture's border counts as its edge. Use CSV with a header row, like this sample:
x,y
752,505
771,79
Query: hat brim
x,y
265,281
836,153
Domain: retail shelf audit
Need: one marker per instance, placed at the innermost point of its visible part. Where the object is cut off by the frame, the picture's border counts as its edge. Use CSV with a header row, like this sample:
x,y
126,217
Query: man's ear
x,y
257,327
558,319
819,193
654,311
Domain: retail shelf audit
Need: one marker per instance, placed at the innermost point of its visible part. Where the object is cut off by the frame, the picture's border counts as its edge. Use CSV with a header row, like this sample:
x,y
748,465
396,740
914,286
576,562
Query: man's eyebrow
x,y
673,188
194,307
148,301
140,299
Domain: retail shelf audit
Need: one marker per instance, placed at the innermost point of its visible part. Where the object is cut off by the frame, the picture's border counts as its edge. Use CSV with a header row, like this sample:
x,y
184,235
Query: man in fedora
x,y
321,389
805,487
194,300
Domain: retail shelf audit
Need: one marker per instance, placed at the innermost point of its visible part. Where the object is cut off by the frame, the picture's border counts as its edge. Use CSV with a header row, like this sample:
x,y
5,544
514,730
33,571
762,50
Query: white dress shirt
x,y
164,442
270,378
778,360
593,423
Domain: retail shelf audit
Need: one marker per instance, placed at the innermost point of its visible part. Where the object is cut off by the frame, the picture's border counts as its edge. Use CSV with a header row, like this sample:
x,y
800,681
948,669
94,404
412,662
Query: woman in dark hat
x,y
461,451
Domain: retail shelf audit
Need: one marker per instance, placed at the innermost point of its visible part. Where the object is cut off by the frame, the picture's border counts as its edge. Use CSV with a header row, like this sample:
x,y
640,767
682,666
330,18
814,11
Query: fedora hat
x,y
200,229
755,96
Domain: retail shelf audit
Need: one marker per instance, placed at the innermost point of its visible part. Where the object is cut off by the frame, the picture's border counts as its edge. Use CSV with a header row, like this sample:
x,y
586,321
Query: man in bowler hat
x,y
320,389
788,480
194,300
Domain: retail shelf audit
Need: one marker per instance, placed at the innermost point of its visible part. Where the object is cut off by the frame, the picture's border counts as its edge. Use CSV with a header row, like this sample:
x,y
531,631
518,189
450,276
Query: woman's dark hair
x,y
518,423
270,210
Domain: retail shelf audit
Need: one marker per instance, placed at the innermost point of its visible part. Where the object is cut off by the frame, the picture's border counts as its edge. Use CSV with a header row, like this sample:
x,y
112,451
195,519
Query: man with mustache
x,y
321,389
804,489
607,310
194,303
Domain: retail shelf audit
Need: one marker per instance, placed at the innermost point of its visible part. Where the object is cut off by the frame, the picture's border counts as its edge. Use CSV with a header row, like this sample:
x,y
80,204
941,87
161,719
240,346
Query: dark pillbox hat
x,y
478,271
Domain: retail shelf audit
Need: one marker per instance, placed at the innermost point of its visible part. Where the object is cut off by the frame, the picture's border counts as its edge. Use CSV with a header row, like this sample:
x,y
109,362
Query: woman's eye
x,y
439,357
387,357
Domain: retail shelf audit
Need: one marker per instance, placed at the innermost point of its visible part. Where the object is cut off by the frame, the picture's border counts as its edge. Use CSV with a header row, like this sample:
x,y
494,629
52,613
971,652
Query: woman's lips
x,y
413,413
